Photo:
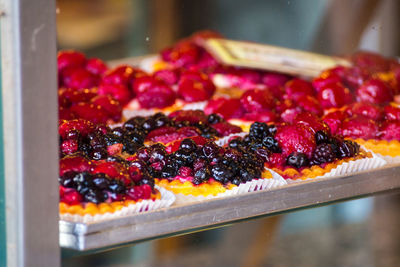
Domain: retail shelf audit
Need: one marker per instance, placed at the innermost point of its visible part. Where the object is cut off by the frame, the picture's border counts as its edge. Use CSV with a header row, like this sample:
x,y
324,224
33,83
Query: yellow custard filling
x,y
316,170
204,189
383,147
102,208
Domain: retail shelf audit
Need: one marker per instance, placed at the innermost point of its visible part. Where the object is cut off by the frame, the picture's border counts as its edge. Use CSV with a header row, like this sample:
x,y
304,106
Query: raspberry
x,y
323,153
325,79
392,113
91,112
96,66
390,131
119,92
334,96
122,75
257,100
374,91
73,163
297,87
358,127
69,146
110,105
70,59
158,96
312,121
143,83
295,138
195,86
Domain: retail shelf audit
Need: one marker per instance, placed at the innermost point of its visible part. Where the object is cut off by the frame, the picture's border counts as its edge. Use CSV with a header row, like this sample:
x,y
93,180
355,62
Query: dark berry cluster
x,y
201,162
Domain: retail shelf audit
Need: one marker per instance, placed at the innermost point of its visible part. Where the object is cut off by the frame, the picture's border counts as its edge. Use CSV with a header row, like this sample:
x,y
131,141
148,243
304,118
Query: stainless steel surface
x,y
184,218
29,73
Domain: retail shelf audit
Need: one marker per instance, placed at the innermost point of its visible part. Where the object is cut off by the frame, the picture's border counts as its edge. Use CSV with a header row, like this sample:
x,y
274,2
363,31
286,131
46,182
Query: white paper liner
x,y
195,106
389,159
167,198
349,167
225,140
254,185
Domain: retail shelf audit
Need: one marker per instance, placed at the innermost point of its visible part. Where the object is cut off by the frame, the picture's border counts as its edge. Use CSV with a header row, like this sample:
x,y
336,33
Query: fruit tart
x,y
305,149
198,168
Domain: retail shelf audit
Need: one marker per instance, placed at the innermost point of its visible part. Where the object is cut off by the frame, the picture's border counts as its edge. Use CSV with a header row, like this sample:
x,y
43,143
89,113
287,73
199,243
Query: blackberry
x,y
210,149
348,149
272,129
297,160
258,130
321,137
235,143
67,180
324,153
271,144
168,171
99,153
233,154
201,175
188,144
98,142
214,118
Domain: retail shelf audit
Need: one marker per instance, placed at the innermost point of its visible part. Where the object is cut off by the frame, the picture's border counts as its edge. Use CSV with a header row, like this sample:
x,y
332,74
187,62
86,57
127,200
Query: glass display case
x,y
265,225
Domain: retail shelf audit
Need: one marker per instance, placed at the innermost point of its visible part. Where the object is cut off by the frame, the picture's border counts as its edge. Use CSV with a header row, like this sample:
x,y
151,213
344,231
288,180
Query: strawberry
x,y
91,112
298,87
334,96
168,76
390,131
114,170
184,54
74,96
158,96
226,107
84,127
70,59
271,79
122,75
141,84
374,91
354,77
312,121
392,113
79,78
358,127
310,104
263,116
325,79
74,163
96,66
256,100
276,160
367,110
110,105
195,86
370,61
119,92
225,128
295,138
65,114
193,116
334,120
168,134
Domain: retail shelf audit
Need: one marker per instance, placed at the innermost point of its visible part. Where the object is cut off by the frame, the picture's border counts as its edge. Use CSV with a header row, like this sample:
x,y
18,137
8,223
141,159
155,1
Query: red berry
x,y
119,92
91,112
185,54
185,171
193,116
271,79
71,197
143,83
310,104
276,160
79,79
263,116
225,128
135,174
113,169
257,100
354,77
325,79
74,163
358,127
374,91
65,114
295,138
82,126
392,113
158,96
115,149
169,76
334,96
334,120
74,96
195,86
70,59
122,75
390,131
96,66
297,87
227,108
312,121
370,111
370,61
110,105
69,146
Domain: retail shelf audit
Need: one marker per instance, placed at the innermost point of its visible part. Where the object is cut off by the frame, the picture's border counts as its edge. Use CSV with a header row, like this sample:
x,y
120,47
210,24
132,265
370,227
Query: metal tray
x,y
216,212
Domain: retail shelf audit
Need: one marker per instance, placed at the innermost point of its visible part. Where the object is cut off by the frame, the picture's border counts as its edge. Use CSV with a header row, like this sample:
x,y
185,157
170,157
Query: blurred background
x,y
357,233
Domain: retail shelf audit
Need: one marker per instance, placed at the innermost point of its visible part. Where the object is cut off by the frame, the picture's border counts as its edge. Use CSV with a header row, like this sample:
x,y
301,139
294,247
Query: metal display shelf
x,y
216,212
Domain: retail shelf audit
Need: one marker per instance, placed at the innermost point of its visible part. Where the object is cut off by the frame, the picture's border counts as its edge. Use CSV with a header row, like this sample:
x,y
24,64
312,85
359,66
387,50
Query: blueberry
x,y
129,147
116,159
168,171
297,160
184,157
236,181
321,137
149,125
116,187
118,131
99,153
271,144
221,172
248,174
188,144
111,139
81,177
67,180
157,154
208,132
161,121
93,196
101,181
201,176
214,118
147,180
235,143
134,123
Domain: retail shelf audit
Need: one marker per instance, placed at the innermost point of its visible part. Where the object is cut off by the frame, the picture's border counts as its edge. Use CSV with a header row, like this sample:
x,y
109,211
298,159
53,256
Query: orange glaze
x,y
383,147
204,189
93,209
315,171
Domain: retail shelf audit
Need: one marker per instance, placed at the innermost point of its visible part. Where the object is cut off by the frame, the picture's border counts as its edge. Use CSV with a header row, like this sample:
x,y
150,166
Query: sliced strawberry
x,y
295,138
162,131
74,163
227,108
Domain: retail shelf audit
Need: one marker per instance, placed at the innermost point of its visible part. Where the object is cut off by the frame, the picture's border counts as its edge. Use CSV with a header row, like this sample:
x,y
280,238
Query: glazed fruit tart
x,y
198,168
99,190
305,149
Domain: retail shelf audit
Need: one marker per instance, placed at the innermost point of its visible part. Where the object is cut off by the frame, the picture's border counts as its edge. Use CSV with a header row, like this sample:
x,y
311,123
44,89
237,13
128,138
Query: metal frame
x,y
29,83
186,218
